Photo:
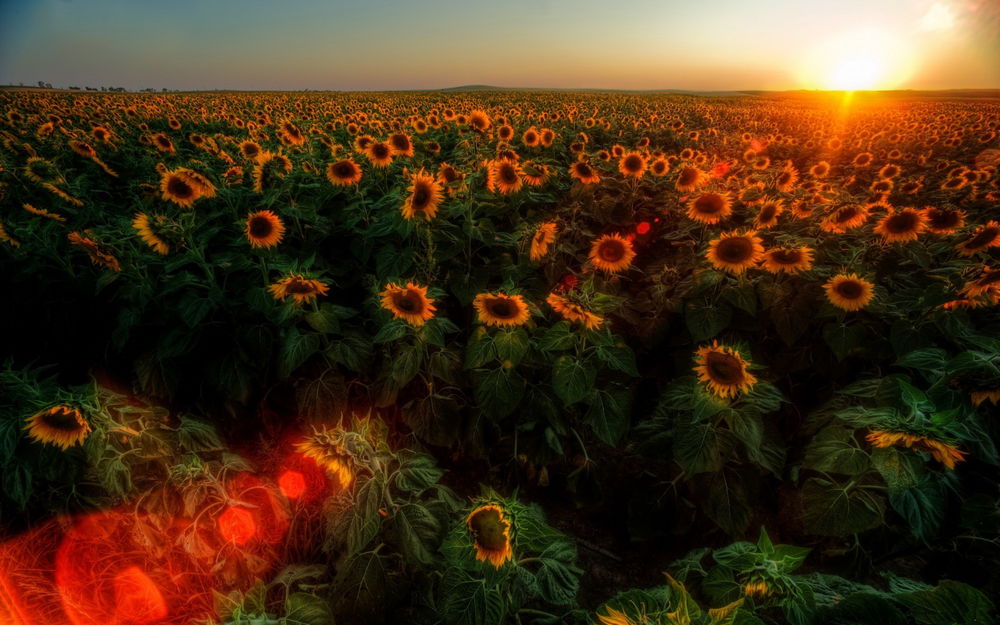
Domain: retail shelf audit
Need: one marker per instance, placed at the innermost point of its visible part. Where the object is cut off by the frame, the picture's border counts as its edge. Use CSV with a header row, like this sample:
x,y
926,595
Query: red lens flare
x,y
137,598
236,525
292,484
642,227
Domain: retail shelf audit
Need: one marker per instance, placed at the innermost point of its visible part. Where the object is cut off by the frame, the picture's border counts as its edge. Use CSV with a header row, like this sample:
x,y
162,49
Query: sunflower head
x,y
723,370
425,197
264,229
788,259
343,173
299,288
901,225
500,309
584,172
735,252
62,426
709,208
544,235
329,449
611,253
632,165
849,292
409,303
490,531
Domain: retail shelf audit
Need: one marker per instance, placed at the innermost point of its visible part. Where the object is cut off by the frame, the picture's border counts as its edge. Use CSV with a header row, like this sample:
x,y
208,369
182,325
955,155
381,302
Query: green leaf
x,y
499,391
391,331
325,320
419,533
620,358
572,379
834,450
305,609
511,345
705,320
931,359
557,338
406,364
296,350
843,339
839,509
352,351
743,297
607,415
727,503
951,603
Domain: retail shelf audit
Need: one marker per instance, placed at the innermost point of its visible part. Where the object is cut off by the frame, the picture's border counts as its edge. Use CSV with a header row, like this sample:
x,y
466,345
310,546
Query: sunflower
x,y
660,167
301,289
724,370
249,150
820,169
988,283
788,259
144,224
425,196
584,172
709,208
849,292
379,153
504,176
614,617
544,235
409,303
41,212
535,174
767,216
611,253
573,312
902,225
785,181
983,238
756,588
179,188
943,220
530,137
264,229
979,397
500,309
98,255
324,447
480,121
946,454
689,178
401,145
343,173
632,165
62,426
490,532
734,252
844,218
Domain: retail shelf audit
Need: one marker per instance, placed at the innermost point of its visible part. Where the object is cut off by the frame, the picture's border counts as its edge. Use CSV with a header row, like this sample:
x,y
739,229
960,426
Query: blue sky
x,y
403,44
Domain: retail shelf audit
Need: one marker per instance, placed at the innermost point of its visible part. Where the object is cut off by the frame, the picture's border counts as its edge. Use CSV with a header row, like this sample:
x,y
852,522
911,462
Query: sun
x,y
856,72
872,58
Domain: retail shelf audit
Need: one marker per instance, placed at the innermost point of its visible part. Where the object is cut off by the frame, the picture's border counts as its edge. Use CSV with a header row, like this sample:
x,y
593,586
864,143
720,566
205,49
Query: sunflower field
x,y
491,357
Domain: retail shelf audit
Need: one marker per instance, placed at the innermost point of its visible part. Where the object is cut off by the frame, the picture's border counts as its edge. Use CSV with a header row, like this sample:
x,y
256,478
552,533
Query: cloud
x,y
938,17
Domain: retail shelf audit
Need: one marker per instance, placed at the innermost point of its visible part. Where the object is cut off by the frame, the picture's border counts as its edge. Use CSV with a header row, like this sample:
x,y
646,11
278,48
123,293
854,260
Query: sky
x,y
429,44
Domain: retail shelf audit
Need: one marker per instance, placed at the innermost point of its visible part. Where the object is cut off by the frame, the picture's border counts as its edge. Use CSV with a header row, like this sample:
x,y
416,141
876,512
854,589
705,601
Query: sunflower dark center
x,y
260,227
688,176
380,150
583,170
849,289
724,368
767,213
990,278
786,256
983,237
489,529
633,163
421,197
901,223
408,302
846,214
710,203
299,287
735,250
179,188
62,419
502,308
508,174
611,251
343,170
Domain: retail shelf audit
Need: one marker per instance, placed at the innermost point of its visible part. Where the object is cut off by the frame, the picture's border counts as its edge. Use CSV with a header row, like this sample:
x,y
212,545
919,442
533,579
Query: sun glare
x,y
858,60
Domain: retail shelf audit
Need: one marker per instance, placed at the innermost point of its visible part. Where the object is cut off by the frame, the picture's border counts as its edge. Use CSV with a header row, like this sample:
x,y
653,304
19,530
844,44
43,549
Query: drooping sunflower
x,y
584,172
544,235
944,220
490,532
611,253
146,227
988,283
480,121
425,197
632,165
343,173
41,212
983,238
902,225
573,312
62,426
264,229
504,175
299,288
788,259
723,370
535,174
735,252
98,254
614,617
844,218
709,208
849,292
324,447
979,397
500,309
946,454
409,303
